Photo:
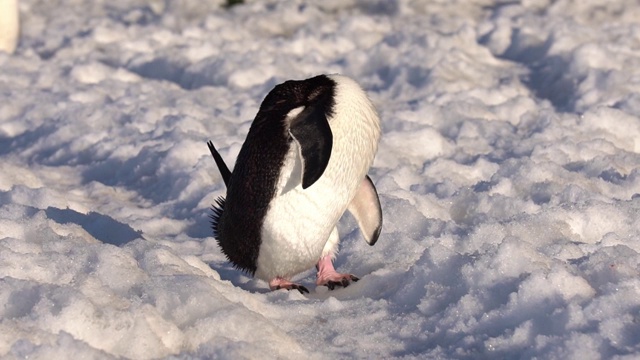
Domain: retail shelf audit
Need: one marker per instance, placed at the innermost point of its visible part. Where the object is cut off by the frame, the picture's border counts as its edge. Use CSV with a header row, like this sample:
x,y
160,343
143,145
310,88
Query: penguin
x,y
303,164
9,25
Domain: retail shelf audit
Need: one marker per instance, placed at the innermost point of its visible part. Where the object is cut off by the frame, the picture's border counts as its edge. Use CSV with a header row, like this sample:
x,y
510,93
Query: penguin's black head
x,y
300,111
292,94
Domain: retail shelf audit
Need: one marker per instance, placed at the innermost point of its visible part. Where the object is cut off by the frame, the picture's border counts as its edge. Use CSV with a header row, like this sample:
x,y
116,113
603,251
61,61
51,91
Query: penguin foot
x,y
343,280
329,277
280,283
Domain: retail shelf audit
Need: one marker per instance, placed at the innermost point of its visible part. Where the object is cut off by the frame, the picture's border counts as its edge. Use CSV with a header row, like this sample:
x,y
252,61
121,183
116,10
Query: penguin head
x,y
317,92
304,108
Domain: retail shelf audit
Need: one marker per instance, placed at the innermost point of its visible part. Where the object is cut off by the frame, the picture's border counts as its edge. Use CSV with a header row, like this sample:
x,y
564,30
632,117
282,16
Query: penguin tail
x,y
222,167
216,213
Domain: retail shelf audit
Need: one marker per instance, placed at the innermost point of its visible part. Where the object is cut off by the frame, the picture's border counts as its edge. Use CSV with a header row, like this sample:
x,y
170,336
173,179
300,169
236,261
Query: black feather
x,y
216,213
222,167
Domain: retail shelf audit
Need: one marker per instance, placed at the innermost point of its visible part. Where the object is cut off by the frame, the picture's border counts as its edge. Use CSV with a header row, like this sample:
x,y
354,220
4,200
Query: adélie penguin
x,y
303,164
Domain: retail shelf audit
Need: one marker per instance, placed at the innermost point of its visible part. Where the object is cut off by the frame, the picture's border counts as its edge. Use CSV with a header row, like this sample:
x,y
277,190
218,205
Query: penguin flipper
x,y
222,167
365,207
310,129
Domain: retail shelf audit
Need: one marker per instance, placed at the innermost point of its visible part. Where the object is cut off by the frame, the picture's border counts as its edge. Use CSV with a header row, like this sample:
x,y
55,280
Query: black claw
x,y
301,288
346,281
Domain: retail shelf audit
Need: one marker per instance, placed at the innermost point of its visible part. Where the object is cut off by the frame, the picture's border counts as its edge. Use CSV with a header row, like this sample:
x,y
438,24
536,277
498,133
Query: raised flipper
x,y
365,207
222,167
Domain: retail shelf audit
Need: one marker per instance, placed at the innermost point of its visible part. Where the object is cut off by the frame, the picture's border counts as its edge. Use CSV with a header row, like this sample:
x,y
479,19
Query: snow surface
x,y
508,171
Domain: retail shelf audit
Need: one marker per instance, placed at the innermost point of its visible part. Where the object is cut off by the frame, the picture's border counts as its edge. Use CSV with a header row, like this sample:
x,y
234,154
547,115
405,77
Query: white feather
x,y
297,228
291,173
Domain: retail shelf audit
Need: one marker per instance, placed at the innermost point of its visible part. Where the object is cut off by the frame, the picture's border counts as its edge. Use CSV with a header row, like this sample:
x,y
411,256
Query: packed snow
x,y
508,173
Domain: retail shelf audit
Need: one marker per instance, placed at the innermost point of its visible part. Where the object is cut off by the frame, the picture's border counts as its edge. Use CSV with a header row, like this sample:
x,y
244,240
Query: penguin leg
x,y
282,283
327,274
329,277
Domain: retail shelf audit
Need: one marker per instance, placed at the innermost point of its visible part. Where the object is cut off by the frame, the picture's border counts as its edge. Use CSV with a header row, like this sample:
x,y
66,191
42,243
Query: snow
x,y
508,173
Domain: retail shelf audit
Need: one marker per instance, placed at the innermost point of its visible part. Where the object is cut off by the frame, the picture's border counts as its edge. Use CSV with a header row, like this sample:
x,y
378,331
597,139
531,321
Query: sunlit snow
x,y
508,173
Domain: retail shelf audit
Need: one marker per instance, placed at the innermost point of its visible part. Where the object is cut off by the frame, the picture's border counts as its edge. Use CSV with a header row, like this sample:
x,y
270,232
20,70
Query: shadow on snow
x,y
101,227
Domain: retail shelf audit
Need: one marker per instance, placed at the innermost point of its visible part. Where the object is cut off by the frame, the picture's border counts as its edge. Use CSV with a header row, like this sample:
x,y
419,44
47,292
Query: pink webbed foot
x,y
329,277
281,283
